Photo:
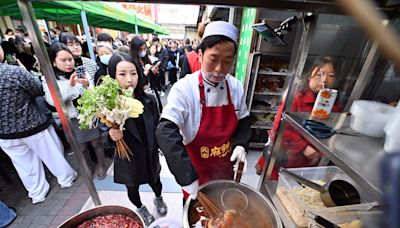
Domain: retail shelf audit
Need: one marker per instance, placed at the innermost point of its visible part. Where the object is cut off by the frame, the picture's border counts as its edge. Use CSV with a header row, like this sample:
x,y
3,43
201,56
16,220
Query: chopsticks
x,y
209,205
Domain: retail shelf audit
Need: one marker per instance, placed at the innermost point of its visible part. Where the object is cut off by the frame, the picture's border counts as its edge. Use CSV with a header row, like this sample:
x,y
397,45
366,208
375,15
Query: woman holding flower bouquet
x,y
71,88
143,165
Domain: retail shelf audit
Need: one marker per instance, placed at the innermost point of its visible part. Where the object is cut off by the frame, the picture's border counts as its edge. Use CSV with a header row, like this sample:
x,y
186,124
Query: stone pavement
x,y
60,204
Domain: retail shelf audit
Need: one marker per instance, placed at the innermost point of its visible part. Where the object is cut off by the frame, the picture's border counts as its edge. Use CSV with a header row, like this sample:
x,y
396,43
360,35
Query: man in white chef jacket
x,y
204,129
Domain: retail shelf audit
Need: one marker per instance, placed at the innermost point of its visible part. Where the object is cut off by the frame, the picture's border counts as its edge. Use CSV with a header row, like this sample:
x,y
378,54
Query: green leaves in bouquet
x,y
103,95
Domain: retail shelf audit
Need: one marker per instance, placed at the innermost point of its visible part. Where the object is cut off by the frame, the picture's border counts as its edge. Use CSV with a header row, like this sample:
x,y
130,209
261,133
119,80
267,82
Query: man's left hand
x,y
238,155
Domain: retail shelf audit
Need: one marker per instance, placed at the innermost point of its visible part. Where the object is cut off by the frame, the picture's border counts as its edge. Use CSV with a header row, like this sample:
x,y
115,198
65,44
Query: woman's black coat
x,y
144,166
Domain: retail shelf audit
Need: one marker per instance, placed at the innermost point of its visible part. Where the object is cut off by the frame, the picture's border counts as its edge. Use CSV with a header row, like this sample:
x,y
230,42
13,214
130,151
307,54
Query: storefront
x,y
277,69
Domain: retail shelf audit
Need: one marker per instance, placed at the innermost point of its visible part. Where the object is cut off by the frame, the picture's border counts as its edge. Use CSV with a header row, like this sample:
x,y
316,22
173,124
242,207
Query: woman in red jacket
x,y
299,152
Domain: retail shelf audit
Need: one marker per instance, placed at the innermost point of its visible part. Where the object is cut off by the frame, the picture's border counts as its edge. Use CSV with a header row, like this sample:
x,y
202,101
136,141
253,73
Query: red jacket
x,y
193,60
292,142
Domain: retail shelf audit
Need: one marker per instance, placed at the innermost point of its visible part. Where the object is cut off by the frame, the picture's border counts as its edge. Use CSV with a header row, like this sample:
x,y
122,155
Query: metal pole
x,y
29,20
1,34
48,31
79,30
94,34
87,34
231,15
136,29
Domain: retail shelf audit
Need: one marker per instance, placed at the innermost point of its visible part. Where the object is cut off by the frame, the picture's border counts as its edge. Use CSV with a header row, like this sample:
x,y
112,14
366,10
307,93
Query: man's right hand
x,y
192,189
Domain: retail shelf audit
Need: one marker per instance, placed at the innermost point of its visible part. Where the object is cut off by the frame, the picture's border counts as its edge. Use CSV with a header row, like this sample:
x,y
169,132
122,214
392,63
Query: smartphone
x,y
11,59
80,72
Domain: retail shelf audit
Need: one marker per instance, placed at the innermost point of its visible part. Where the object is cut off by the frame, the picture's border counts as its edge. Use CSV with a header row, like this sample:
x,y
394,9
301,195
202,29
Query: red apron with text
x,y
211,149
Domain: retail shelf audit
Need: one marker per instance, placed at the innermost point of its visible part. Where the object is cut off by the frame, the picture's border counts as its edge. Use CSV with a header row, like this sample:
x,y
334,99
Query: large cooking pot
x,y
259,213
78,219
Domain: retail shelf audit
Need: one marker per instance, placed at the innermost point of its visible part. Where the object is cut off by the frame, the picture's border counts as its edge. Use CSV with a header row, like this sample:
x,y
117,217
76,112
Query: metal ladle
x,y
336,193
233,198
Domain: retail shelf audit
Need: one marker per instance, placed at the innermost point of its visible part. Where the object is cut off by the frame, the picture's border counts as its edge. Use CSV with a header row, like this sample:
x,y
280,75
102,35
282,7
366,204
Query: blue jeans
x,y
7,215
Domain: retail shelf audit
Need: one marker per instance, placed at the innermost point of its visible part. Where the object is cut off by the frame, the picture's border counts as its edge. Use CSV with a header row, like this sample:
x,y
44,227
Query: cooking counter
x,y
358,156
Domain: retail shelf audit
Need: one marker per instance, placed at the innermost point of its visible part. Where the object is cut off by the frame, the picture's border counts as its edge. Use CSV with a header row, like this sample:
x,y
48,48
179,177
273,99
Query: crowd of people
x,y
31,133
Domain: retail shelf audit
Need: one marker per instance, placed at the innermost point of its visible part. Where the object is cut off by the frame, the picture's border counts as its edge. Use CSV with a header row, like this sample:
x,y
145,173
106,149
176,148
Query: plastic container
x,y
166,222
325,174
392,139
370,219
370,117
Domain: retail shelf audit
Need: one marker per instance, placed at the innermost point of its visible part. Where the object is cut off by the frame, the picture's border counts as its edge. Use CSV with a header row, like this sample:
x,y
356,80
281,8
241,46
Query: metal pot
x,y
99,211
259,213
335,193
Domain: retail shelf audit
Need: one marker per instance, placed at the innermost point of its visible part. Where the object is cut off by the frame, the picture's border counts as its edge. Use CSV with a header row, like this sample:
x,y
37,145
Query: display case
x,y
267,78
356,56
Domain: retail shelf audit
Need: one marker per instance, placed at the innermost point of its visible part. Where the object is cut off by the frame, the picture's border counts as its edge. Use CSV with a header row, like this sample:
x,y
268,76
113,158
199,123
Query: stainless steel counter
x,y
358,156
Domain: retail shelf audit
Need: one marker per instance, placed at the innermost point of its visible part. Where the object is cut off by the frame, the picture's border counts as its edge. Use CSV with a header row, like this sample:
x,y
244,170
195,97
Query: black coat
x,y
144,166
163,56
102,71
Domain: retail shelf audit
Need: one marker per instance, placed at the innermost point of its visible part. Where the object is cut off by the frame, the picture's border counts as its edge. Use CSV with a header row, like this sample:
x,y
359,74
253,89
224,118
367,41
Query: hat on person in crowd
x,y
221,28
105,44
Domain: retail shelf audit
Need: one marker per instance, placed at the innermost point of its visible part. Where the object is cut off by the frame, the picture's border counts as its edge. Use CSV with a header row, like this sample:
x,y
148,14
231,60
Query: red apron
x,y
211,149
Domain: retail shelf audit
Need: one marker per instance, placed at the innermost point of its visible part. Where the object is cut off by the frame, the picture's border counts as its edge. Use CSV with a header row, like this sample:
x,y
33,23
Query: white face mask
x,y
105,59
143,53
214,77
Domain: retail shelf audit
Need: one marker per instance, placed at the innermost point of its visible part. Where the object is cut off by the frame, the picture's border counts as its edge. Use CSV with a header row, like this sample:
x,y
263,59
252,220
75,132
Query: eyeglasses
x,y
74,44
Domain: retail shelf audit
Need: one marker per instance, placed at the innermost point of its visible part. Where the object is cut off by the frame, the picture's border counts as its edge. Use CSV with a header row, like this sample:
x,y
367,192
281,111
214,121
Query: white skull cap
x,y
221,28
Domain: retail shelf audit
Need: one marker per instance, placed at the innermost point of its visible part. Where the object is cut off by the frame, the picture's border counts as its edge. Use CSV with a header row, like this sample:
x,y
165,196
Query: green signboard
x,y
246,33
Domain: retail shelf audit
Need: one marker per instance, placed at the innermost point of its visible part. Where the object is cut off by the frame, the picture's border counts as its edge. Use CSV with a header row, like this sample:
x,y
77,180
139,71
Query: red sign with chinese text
x,y
142,9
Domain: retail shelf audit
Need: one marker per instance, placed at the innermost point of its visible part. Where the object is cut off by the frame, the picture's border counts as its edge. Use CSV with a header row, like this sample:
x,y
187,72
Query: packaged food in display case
x,y
270,84
274,63
298,199
263,103
262,119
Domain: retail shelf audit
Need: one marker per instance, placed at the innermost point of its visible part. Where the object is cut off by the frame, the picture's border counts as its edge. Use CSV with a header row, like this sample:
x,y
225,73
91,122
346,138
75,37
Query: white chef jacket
x,y
184,108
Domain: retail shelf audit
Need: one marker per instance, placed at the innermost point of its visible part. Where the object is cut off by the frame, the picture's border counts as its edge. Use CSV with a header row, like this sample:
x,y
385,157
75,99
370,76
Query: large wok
x,y
78,219
259,213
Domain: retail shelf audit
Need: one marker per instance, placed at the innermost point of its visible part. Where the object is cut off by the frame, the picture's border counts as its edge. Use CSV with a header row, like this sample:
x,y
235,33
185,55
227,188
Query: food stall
x,y
329,32
351,156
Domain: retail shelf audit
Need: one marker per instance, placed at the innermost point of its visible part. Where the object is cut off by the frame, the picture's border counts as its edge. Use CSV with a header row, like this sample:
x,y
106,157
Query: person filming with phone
x,y
138,52
72,81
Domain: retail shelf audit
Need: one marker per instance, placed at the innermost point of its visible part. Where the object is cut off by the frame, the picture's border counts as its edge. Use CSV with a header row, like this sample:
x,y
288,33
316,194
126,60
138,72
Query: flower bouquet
x,y
111,105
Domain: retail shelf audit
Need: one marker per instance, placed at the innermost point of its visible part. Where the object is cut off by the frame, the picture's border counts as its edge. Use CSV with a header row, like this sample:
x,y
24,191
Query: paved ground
x,y
59,205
